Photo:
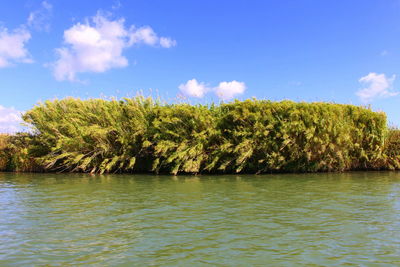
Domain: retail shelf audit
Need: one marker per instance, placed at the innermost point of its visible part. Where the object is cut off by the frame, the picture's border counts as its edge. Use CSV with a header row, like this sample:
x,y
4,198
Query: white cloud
x,y
97,46
167,42
10,120
377,85
40,18
227,90
146,35
12,46
13,42
193,88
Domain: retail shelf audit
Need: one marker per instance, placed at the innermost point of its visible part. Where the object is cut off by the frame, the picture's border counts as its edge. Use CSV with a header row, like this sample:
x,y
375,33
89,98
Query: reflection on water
x,y
321,219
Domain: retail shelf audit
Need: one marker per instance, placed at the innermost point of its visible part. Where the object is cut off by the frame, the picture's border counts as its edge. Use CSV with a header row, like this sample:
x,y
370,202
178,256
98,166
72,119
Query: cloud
x,y
167,42
98,44
377,85
227,90
10,120
12,46
146,35
193,88
40,18
13,42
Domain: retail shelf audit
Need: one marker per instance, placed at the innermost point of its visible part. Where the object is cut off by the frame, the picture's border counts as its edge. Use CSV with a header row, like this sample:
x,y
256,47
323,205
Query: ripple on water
x,y
320,219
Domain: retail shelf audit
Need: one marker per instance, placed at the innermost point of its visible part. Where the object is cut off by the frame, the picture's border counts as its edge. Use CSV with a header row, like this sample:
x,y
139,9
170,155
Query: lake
x,y
235,220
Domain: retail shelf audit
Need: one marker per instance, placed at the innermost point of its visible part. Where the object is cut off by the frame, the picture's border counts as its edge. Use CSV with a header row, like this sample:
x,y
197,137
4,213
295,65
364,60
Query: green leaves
x,y
181,136
288,136
92,135
252,136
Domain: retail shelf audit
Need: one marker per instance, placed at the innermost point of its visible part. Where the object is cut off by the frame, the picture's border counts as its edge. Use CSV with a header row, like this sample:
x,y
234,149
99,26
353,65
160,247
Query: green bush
x,y
182,137
4,157
263,136
252,136
95,135
392,150
16,153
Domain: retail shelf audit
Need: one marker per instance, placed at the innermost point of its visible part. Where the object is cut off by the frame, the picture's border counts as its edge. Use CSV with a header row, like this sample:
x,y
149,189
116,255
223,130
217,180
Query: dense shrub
x,y
392,150
16,153
4,157
91,136
252,136
262,136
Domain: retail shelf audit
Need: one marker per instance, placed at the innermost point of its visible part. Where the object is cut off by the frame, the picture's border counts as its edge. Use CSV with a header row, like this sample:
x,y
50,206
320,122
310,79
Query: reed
x,y
3,156
252,136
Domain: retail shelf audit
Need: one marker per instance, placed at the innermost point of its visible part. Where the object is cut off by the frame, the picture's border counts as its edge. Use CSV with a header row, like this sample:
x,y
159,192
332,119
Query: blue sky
x,y
303,50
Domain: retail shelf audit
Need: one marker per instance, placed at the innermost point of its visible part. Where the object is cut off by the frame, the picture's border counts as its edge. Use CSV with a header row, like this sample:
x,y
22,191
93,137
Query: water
x,y
313,219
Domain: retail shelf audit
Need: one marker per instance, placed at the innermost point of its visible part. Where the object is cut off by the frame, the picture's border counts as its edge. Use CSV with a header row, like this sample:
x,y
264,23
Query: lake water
x,y
313,219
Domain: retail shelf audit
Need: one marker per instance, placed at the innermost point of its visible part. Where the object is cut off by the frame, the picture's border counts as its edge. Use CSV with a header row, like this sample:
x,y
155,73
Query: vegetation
x,y
15,153
252,136
392,150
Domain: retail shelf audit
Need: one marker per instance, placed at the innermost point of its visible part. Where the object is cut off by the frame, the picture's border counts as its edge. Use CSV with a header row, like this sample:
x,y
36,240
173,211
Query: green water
x,y
313,219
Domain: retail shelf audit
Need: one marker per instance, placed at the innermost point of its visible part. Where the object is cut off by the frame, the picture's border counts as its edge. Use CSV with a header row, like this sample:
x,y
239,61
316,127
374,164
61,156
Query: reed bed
x,y
252,136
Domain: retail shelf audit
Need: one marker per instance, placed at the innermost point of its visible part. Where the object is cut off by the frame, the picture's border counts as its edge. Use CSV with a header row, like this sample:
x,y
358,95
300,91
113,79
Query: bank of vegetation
x,y
252,136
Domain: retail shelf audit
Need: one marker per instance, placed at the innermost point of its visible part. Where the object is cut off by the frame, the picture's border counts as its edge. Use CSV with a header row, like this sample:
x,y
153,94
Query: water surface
x,y
314,219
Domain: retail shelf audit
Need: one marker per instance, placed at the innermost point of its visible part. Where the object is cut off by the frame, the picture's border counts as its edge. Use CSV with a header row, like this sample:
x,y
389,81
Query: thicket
x,y
252,136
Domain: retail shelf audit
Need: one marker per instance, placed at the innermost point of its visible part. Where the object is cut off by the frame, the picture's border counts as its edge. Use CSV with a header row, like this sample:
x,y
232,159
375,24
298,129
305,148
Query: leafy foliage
x,y
16,153
262,136
392,150
253,136
95,135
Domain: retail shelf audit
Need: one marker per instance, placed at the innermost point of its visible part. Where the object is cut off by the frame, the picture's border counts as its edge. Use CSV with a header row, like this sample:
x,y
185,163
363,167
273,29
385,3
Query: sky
x,y
200,51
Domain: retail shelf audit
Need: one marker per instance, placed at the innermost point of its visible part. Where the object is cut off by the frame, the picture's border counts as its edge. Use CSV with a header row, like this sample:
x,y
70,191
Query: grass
x,y
252,136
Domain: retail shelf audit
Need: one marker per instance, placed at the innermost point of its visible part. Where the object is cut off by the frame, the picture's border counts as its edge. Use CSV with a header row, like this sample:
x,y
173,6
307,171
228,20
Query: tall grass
x,y
16,153
4,142
253,136
392,150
